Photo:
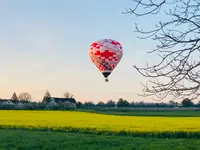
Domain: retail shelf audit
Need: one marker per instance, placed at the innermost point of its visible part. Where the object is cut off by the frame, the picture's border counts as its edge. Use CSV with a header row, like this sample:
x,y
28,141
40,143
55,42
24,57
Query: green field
x,y
162,112
34,140
93,123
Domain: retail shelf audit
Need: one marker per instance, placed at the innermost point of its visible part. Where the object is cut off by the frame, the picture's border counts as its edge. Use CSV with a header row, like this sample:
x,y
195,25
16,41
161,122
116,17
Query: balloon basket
x,y
106,80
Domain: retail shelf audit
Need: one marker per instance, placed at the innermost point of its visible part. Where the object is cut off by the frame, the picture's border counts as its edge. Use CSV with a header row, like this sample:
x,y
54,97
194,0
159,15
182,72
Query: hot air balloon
x,y
105,54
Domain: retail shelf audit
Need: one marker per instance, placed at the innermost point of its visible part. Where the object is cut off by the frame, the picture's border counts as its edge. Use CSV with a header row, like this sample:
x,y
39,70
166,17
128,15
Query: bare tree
x,y
68,95
178,72
24,97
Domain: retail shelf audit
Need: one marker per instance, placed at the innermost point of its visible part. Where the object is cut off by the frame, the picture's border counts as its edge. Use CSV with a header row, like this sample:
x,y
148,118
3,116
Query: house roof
x,y
72,100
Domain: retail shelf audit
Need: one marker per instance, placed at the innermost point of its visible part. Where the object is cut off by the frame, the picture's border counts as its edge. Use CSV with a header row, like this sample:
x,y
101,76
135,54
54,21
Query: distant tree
x,y
24,97
47,94
100,104
187,103
14,97
79,105
140,104
132,104
89,104
68,95
173,104
47,97
110,103
122,103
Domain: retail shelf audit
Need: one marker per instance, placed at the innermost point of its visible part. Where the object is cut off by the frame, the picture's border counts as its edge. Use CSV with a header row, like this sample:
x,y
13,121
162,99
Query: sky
x,y
44,46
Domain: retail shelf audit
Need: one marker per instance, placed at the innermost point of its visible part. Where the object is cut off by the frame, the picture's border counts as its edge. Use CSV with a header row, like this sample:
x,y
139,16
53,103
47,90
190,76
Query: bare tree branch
x,y
178,72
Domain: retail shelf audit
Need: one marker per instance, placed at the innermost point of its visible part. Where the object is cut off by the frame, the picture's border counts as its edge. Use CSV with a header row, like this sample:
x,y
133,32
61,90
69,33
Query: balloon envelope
x,y
106,54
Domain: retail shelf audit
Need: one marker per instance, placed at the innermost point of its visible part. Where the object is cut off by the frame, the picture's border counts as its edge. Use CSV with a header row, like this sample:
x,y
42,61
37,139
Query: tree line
x,y
24,101
124,103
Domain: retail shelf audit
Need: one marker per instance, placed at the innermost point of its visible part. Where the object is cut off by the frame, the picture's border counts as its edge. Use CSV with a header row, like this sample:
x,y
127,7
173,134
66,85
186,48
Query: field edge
x,y
94,131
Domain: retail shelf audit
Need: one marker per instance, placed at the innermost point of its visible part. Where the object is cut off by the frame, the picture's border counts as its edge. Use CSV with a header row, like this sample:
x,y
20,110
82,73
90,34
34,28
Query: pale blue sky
x,y
44,45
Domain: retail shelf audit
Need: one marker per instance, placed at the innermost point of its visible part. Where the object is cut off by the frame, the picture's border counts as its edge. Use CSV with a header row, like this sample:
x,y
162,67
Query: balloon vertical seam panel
x,y
106,54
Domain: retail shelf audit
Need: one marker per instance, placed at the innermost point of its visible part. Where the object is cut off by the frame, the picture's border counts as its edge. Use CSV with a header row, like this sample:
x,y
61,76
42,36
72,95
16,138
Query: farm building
x,y
69,101
61,100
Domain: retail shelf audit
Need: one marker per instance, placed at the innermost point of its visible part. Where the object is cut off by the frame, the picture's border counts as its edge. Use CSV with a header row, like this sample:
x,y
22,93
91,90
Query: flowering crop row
x,y
175,127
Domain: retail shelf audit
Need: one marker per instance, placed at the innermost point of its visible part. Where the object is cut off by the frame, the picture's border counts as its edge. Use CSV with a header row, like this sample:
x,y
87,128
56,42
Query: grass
x,y
162,112
34,140
84,122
